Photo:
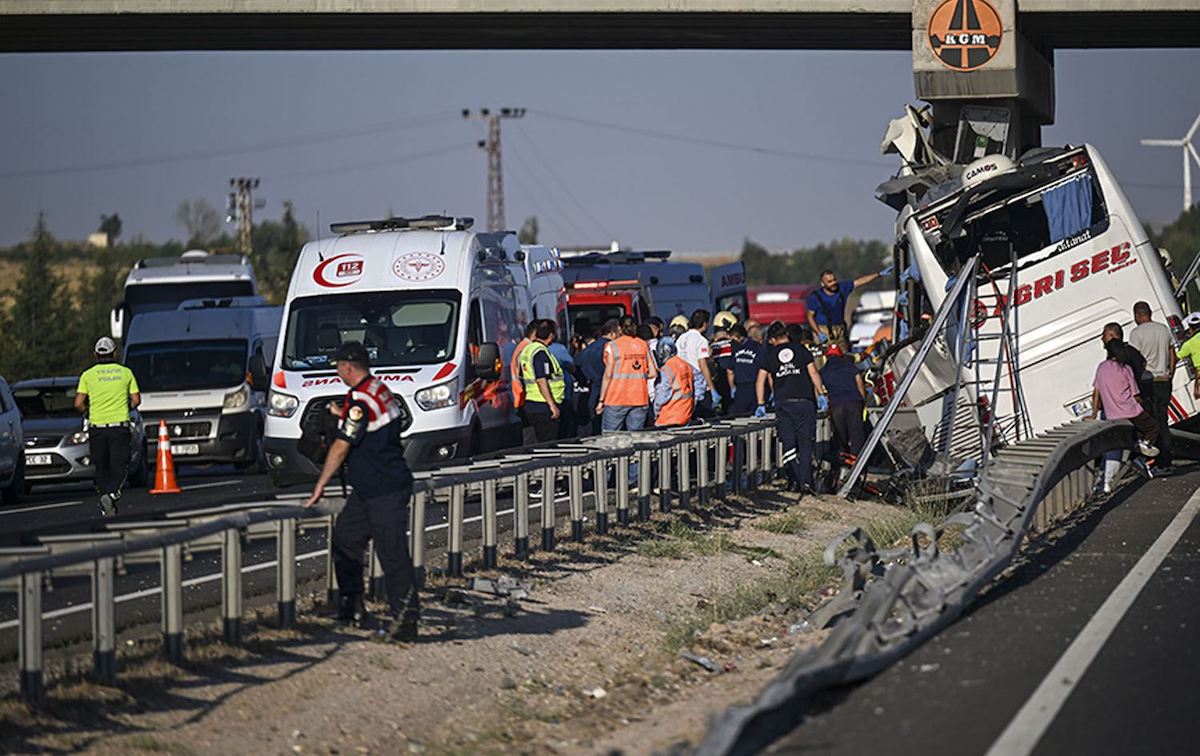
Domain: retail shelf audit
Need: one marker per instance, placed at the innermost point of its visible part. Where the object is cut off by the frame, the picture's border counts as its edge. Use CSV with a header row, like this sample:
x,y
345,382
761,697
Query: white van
x,y
1084,260
437,305
160,284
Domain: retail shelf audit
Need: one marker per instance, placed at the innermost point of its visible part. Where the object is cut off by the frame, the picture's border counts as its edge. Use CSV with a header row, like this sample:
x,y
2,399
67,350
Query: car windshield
x,y
398,328
47,401
188,365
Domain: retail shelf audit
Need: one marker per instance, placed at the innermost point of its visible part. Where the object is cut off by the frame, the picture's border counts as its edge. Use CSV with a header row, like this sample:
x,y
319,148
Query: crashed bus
x,y
1082,260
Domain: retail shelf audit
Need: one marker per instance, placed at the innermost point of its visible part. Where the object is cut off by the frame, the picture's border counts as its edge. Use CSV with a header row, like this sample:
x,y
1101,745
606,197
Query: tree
x,y
111,225
850,258
529,231
40,326
276,246
201,221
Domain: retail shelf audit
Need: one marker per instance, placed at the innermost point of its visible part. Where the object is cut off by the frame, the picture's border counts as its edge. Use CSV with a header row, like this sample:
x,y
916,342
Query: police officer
x,y
747,360
796,384
106,393
545,383
368,442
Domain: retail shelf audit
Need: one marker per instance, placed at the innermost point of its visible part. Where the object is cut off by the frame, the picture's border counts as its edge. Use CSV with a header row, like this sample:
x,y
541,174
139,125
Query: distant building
x,y
99,240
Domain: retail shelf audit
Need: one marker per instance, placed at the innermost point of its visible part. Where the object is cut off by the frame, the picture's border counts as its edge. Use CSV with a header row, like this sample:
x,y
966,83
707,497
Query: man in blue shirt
x,y
747,360
827,306
590,365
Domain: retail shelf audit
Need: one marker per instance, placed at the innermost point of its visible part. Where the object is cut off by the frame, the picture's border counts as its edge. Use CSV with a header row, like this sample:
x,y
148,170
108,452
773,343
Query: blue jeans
x,y
622,418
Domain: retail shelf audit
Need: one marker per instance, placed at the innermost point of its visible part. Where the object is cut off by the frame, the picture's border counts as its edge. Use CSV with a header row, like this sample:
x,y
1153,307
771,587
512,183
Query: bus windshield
x,y
188,365
398,328
167,296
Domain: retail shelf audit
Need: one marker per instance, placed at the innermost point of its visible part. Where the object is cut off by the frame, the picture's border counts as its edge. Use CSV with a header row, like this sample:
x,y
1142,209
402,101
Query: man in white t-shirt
x,y
1153,340
693,349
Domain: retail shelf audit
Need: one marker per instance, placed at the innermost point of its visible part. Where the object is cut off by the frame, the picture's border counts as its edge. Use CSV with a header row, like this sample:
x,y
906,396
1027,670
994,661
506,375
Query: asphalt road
x,y
1078,652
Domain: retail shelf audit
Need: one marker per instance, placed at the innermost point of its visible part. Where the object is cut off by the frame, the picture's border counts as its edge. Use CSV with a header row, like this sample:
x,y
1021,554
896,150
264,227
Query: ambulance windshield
x,y
399,328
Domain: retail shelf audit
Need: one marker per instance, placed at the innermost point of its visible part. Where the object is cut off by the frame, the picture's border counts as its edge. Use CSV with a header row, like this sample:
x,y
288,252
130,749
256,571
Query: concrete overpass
x,y
110,25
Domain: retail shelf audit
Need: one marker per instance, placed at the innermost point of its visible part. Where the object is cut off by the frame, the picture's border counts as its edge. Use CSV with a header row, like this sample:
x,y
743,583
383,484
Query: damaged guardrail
x,y
892,601
692,464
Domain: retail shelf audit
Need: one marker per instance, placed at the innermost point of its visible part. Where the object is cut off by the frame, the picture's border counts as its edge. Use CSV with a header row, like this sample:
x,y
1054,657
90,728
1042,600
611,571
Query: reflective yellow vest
x,y
533,392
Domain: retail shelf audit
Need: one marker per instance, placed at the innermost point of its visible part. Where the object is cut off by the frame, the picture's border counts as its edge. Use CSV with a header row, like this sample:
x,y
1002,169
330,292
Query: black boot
x,y
402,629
351,610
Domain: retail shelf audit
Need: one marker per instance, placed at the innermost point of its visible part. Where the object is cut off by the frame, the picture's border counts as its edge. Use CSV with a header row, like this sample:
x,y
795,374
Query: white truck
x,y
160,284
440,308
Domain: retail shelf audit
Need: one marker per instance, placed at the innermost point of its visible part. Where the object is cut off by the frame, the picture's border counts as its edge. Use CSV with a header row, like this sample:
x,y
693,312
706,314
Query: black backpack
x,y
317,433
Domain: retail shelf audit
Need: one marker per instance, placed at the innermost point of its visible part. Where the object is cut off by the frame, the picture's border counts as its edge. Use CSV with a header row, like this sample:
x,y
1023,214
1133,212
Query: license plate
x,y
185,450
37,460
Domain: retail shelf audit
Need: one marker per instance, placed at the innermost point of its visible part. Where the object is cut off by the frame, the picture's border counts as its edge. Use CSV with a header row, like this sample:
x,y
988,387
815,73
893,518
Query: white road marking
x,y
40,507
1027,728
186,487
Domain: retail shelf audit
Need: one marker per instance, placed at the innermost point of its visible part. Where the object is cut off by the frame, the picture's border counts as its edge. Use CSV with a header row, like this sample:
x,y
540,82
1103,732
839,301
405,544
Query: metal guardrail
x,y
891,601
694,464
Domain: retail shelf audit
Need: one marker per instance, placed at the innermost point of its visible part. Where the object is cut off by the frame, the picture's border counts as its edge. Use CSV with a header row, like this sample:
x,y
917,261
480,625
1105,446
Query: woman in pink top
x,y
1115,391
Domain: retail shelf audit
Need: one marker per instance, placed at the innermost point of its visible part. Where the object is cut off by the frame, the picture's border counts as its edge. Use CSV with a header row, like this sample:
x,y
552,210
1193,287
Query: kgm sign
x,y
965,34
339,270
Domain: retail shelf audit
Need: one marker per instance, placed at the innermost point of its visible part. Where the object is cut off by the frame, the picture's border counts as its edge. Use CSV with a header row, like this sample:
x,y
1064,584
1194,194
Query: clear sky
x,y
636,146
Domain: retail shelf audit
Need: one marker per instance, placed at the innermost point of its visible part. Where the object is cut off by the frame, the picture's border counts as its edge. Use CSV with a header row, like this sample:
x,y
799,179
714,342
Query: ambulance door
x,y
728,284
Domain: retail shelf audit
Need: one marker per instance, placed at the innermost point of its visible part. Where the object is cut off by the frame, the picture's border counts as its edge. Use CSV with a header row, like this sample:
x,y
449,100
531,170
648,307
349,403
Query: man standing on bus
x,y
1153,340
827,306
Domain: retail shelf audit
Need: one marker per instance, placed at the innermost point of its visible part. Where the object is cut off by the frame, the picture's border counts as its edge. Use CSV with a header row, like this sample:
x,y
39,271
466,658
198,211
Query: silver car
x,y
12,463
56,445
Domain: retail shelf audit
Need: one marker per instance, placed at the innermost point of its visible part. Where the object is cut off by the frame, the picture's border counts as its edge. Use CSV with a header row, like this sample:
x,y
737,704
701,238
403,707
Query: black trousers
x,y
383,519
544,426
1160,395
109,448
849,431
796,422
745,400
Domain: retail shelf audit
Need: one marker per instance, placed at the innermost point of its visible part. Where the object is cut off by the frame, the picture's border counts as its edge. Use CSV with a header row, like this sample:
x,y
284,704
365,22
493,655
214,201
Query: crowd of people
x,y
625,375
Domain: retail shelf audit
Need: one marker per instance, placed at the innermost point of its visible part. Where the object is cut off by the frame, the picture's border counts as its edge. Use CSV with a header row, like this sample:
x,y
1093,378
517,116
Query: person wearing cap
x,y
371,421
106,393
1190,349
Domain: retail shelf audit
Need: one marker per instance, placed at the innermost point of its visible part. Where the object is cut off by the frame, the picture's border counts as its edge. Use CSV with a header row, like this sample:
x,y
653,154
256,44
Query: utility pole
x,y
241,208
495,175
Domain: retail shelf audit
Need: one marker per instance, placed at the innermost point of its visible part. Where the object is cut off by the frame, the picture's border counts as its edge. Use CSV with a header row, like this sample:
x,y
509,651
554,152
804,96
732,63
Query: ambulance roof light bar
x,y
395,223
603,284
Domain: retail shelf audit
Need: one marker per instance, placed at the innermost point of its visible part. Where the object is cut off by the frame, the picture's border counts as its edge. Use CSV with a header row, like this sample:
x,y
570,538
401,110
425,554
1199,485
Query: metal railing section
x,y
892,600
694,464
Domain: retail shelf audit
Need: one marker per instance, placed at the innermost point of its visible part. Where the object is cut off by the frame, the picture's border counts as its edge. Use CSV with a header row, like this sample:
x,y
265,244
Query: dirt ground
x,y
593,662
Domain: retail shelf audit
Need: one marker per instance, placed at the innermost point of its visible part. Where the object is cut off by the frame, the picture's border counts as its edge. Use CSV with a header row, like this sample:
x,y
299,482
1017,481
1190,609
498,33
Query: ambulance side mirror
x,y
487,363
259,380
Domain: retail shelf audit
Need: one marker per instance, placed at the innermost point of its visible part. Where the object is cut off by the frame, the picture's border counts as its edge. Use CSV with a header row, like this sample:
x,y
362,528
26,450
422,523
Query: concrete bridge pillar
x,y
971,60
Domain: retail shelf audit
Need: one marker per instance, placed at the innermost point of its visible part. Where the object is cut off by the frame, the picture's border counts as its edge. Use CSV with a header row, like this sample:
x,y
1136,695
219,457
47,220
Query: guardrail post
x,y
490,526
600,491
664,479
285,573
231,586
751,442
722,459
644,485
29,612
776,446
702,478
623,489
331,586
576,494
104,626
549,500
454,538
416,535
739,464
171,579
521,515
685,475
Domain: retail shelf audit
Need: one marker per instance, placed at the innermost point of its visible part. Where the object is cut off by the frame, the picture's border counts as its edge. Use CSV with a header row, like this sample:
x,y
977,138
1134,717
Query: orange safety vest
x,y
514,371
627,386
678,409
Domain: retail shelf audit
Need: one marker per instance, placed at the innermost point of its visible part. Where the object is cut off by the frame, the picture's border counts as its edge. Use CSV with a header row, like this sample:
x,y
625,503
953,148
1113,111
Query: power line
x,y
705,142
372,164
183,157
562,184
563,217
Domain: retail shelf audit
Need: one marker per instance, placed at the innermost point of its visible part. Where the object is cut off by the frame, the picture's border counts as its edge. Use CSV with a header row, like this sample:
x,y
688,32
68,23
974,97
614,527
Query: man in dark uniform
x,y
746,362
796,384
368,442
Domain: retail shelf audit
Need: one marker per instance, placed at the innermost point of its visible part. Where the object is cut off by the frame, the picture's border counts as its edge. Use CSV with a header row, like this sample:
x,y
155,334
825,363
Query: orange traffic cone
x,y
164,470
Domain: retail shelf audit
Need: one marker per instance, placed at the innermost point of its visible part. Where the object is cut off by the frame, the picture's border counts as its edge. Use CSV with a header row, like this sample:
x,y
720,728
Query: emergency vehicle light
x,y
425,222
602,284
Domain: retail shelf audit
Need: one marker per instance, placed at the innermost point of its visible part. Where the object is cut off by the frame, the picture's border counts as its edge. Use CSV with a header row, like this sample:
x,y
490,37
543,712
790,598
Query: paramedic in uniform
x,y
545,384
747,361
107,391
368,442
796,384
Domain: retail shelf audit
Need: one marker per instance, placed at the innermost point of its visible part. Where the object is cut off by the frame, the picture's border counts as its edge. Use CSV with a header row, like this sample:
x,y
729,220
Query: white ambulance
x,y
440,309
